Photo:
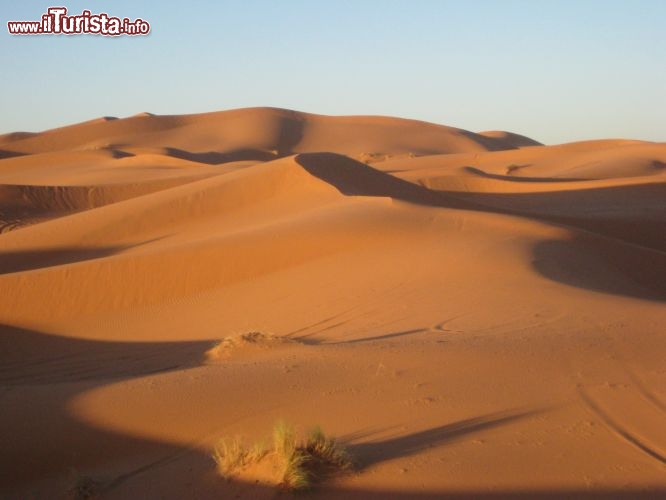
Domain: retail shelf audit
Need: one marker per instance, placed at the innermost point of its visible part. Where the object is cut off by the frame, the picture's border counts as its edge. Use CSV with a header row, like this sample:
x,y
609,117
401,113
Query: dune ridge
x,y
260,130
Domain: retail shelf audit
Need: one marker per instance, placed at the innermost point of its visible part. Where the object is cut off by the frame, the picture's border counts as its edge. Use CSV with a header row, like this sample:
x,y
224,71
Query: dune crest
x,y
262,130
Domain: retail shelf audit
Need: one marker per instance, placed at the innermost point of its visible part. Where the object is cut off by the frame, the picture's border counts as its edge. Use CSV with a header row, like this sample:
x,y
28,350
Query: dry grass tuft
x,y
326,450
298,464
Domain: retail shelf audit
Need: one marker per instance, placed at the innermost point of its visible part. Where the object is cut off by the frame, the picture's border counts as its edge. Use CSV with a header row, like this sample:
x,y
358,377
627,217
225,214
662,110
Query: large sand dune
x,y
474,315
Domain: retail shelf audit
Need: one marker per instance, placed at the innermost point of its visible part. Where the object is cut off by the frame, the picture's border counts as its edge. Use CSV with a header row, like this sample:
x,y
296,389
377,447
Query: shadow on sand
x,y
594,258
368,453
28,260
42,373
289,135
13,262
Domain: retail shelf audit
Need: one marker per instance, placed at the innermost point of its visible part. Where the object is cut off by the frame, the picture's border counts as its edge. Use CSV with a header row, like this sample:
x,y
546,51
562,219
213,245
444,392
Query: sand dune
x,y
473,314
516,140
259,131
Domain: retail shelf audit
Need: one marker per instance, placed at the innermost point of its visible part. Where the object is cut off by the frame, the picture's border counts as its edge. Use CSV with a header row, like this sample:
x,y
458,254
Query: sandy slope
x,y
473,314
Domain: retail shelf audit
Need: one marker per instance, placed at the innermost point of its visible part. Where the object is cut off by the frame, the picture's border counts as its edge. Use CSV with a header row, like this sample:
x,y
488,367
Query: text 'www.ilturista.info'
x,y
57,22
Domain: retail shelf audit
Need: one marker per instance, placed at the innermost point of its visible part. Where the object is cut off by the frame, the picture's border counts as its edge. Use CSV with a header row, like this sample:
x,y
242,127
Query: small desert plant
x,y
326,450
229,454
298,463
284,439
295,473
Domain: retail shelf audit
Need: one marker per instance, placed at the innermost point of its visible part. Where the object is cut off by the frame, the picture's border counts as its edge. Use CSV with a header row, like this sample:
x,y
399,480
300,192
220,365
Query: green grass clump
x,y
300,464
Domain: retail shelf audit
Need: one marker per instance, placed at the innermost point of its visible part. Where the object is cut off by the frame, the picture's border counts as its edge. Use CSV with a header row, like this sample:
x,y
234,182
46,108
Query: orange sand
x,y
474,315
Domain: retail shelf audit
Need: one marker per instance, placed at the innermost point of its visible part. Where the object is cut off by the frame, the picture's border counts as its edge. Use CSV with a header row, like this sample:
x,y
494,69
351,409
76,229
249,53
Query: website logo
x,y
56,22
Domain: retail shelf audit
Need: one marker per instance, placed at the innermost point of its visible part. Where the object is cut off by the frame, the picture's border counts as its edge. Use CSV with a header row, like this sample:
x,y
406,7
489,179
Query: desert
x,y
469,314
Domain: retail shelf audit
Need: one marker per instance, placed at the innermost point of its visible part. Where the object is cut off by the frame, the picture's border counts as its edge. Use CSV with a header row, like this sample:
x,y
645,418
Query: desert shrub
x,y
298,463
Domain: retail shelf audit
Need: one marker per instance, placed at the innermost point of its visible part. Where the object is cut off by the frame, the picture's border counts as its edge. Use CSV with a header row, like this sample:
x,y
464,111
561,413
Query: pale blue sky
x,y
555,70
